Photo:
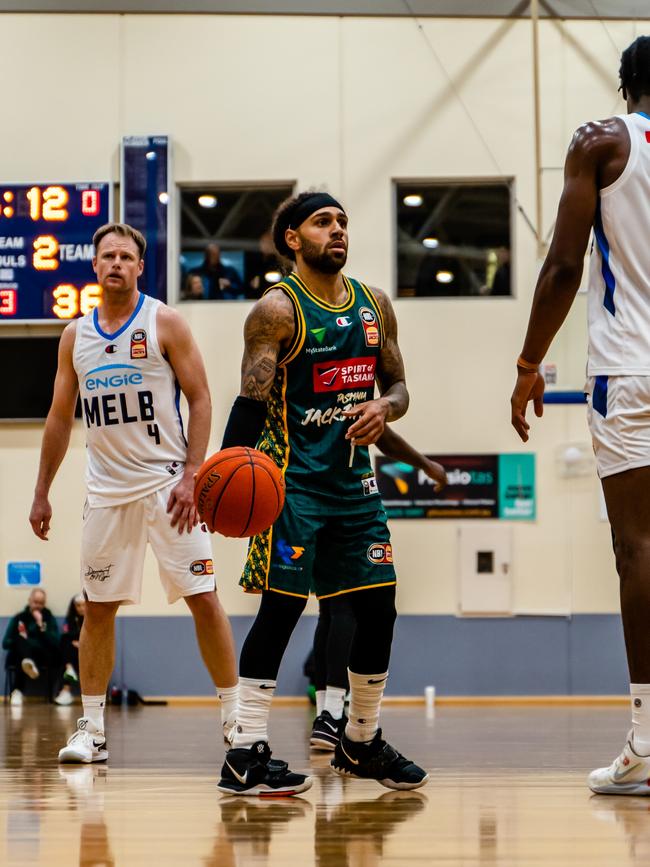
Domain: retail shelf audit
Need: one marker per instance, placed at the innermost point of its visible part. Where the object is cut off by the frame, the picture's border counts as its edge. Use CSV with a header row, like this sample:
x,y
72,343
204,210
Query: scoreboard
x,y
46,249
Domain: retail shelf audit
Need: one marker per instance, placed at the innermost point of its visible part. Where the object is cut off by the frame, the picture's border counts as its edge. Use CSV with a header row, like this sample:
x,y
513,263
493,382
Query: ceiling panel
x,y
637,9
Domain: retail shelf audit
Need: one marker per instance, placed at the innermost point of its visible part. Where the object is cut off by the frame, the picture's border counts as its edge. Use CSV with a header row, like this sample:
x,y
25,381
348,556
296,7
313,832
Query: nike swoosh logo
x,y
617,776
354,761
266,686
98,744
330,726
242,779
381,680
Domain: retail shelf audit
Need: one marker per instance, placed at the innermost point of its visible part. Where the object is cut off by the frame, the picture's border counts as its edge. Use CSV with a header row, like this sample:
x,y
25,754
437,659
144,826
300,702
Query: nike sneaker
x,y
250,771
379,761
629,774
326,731
30,668
87,744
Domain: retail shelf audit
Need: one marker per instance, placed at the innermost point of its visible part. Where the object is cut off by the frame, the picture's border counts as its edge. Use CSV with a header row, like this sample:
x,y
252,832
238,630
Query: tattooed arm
x,y
371,417
268,329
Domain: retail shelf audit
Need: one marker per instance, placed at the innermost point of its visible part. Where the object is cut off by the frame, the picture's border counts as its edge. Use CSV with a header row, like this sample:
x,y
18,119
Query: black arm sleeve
x,y
245,423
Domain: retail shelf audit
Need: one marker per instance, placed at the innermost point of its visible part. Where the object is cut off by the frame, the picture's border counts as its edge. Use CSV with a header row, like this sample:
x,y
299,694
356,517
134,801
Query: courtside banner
x,y
480,486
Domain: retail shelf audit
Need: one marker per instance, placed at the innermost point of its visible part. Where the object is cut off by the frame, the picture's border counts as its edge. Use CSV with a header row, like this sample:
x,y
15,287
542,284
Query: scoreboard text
x,y
46,249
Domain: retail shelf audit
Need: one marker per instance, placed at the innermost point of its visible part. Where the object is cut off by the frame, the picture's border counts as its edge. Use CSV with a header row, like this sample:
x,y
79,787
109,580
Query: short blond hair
x,y
122,229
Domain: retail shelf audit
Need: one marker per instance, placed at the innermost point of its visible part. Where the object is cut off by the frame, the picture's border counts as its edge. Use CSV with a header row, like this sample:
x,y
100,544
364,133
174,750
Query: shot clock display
x,y
46,249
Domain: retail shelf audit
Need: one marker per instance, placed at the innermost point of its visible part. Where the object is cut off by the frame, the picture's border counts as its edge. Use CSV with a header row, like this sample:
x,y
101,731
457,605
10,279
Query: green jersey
x,y
329,367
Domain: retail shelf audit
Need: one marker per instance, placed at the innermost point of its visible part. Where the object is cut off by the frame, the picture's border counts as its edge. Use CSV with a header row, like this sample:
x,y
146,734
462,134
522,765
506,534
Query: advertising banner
x,y
480,486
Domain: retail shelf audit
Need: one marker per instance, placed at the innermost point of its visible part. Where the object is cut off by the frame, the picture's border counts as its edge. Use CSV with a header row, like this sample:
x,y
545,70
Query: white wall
x,y
350,104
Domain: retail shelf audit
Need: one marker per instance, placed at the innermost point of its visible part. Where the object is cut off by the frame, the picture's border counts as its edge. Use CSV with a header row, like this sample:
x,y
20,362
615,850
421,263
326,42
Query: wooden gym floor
x,y
507,787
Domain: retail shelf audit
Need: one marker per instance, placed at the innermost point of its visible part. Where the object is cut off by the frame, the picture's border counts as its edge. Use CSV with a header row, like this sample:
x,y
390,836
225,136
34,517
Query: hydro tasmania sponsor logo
x,y
113,376
344,374
288,554
380,553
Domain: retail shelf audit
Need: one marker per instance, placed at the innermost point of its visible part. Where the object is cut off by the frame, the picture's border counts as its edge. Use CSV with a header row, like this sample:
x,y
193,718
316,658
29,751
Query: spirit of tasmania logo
x,y
344,373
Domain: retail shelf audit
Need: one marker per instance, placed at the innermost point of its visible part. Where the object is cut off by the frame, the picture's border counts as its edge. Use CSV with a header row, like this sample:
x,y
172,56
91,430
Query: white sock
x,y
366,691
253,712
228,696
334,701
640,693
320,701
93,706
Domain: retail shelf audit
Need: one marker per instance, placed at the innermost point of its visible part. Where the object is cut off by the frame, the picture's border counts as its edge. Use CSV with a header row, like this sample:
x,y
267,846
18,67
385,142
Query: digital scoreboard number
x,y
46,249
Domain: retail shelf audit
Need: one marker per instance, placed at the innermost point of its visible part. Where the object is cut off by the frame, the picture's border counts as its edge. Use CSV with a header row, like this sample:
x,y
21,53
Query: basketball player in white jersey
x,y
607,188
129,359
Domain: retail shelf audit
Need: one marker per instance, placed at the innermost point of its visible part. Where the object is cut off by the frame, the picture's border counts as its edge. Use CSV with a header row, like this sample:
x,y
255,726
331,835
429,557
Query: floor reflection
x,y
86,787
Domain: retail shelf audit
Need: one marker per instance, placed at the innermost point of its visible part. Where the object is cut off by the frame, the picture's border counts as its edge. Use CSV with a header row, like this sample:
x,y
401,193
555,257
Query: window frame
x,y
470,181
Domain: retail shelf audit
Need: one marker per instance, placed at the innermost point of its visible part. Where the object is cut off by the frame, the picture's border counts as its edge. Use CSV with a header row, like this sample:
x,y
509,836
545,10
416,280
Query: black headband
x,y
309,206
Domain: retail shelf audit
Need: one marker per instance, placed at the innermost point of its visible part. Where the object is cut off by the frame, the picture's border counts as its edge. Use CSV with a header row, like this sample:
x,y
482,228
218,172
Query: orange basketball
x,y
238,492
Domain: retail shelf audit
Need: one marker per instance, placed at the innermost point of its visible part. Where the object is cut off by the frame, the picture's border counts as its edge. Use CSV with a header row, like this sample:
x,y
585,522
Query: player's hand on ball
x,y
181,505
529,386
370,421
40,517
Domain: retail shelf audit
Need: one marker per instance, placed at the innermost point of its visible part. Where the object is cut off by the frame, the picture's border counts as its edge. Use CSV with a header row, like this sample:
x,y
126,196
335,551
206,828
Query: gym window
x,y
453,238
226,251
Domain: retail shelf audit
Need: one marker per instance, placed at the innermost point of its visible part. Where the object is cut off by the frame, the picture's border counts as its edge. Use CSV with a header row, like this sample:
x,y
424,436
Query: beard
x,y
324,261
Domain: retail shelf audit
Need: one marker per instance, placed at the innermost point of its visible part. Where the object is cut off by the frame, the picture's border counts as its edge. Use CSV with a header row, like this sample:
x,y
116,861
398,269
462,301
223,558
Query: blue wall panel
x,y
581,655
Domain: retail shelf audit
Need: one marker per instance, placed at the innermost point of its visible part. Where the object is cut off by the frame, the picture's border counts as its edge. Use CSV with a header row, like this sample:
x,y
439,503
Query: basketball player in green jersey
x,y
315,345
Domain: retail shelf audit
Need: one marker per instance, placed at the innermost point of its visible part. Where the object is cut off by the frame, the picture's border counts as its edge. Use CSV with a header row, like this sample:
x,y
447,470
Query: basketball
x,y
239,492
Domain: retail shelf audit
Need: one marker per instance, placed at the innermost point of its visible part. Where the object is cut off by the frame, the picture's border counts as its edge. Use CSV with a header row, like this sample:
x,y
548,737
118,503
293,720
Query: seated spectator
x,y
193,289
32,640
70,648
222,280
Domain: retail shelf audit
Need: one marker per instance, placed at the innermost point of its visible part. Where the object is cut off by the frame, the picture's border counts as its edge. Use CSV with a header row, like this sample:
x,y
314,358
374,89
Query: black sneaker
x,y
250,771
377,761
326,731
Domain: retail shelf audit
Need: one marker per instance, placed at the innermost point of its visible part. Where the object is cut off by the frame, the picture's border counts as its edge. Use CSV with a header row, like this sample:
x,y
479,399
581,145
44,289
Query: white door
x,y
485,567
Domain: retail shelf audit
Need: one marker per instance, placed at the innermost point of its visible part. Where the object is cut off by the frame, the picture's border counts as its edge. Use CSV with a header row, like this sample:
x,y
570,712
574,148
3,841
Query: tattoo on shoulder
x,y
268,327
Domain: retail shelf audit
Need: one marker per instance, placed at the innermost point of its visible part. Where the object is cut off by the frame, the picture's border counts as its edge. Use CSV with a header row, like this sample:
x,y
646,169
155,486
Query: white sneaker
x,y
87,744
64,697
16,699
629,774
30,668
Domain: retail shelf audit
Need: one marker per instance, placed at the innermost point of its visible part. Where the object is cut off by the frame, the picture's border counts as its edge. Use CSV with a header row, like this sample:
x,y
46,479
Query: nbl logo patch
x,y
202,567
139,343
370,328
380,553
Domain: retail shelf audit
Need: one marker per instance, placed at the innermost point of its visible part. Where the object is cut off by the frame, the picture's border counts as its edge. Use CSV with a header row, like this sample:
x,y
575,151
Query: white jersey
x,y
619,270
130,406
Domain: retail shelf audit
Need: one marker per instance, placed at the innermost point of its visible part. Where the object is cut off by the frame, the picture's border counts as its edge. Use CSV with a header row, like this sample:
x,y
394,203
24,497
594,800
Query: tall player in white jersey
x,y
607,188
129,359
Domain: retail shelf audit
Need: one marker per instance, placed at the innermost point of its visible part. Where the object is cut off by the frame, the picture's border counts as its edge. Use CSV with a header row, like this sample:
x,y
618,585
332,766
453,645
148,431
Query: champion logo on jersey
x,y
111,349
343,321
647,136
139,343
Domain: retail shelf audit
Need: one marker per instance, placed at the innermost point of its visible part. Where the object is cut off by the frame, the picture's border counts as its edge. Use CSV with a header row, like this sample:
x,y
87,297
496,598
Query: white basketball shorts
x,y
113,544
619,421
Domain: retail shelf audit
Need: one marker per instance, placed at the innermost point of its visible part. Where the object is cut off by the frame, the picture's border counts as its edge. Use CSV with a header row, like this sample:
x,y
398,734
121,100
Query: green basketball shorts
x,y
324,554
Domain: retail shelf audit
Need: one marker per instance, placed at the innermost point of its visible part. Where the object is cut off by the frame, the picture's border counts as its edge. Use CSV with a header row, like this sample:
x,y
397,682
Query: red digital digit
x,y
90,204
7,302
